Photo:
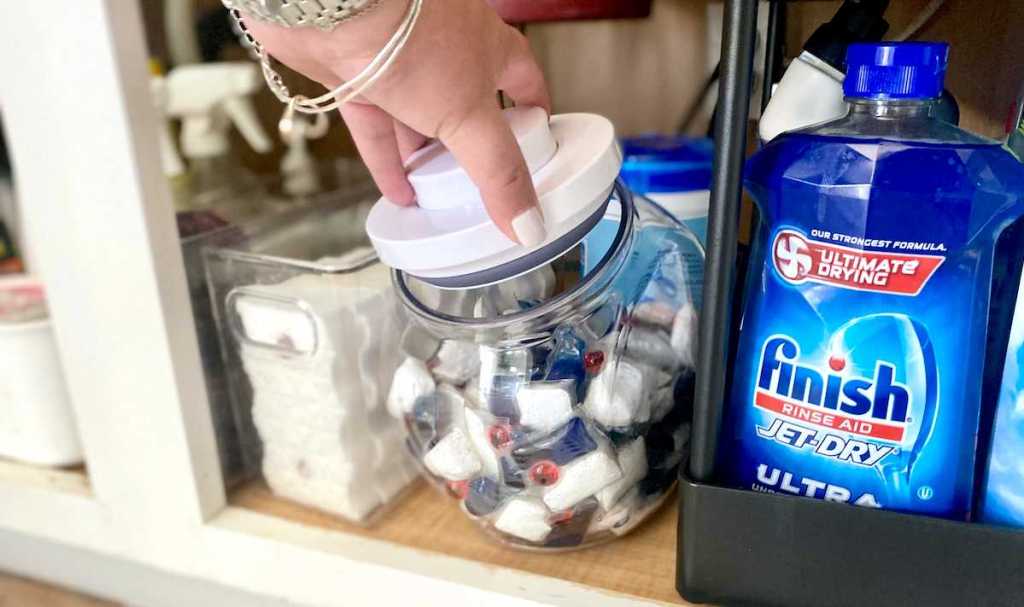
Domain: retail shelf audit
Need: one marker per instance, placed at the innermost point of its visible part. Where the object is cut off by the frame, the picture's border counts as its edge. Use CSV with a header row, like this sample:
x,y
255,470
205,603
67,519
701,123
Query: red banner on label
x,y
828,419
799,259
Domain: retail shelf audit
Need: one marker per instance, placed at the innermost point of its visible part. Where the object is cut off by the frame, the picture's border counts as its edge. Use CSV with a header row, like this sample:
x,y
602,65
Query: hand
x,y
443,85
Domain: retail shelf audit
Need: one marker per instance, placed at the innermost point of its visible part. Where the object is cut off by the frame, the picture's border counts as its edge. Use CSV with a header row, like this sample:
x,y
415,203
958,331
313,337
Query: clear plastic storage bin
x,y
201,230
310,328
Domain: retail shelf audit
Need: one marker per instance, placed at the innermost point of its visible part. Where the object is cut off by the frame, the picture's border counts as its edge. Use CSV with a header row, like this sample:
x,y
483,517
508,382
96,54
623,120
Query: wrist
x,y
349,47
323,14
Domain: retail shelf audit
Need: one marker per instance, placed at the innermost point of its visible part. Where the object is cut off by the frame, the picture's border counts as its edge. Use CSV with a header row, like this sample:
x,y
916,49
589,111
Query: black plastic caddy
x,y
746,548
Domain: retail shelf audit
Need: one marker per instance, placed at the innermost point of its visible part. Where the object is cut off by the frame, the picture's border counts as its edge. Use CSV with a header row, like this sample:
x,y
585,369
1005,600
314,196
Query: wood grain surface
x,y
20,592
73,479
641,564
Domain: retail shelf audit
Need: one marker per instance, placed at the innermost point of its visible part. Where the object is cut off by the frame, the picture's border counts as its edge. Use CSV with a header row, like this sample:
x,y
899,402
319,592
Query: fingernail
x,y
529,228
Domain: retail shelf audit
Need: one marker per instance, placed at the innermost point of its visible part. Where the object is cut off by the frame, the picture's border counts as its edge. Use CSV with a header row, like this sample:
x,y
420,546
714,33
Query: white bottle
x,y
810,92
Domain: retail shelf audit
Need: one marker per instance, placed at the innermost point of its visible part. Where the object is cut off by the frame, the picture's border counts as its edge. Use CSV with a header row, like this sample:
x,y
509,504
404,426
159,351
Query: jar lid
x,y
449,239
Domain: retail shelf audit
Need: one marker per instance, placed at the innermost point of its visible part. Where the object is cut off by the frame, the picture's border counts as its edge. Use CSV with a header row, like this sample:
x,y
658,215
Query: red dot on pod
x,y
593,361
458,489
544,473
837,363
561,518
500,435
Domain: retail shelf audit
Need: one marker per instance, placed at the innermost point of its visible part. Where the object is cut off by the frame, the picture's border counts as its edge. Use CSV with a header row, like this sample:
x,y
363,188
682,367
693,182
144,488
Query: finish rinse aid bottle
x,y
864,335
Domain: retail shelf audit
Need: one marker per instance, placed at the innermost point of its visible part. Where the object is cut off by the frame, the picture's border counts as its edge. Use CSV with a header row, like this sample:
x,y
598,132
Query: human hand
x,y
443,85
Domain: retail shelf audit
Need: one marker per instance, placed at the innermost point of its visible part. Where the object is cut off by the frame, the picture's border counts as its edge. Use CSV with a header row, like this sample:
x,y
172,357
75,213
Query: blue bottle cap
x,y
661,163
896,70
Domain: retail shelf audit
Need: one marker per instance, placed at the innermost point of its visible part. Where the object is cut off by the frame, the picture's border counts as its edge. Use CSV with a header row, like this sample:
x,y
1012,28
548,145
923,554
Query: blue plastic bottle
x,y
673,171
862,346
1002,493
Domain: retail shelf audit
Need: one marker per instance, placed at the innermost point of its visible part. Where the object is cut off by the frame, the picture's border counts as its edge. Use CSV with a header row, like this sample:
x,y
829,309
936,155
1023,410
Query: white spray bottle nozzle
x,y
243,114
208,98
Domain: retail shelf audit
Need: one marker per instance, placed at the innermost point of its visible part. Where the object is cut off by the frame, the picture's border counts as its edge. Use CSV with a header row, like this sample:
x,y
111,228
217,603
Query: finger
x,y
409,140
523,79
485,147
373,131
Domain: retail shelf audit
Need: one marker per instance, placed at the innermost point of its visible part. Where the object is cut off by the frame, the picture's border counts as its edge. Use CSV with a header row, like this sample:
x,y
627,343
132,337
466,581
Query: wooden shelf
x,y
640,565
21,591
66,480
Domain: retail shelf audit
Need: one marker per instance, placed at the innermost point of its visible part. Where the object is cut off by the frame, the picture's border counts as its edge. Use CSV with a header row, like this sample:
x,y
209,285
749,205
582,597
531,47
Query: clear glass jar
x,y
556,405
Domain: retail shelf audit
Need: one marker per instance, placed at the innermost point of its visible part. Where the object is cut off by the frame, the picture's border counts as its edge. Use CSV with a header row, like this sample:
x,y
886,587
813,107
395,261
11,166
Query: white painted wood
x,y
53,504
83,134
117,579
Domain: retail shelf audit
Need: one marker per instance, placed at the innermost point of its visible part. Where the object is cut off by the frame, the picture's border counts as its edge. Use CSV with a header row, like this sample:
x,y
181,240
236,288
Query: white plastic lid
x,y
574,161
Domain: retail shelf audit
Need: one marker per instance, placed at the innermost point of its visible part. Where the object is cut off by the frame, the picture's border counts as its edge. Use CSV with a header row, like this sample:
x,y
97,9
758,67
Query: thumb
x,y
485,147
